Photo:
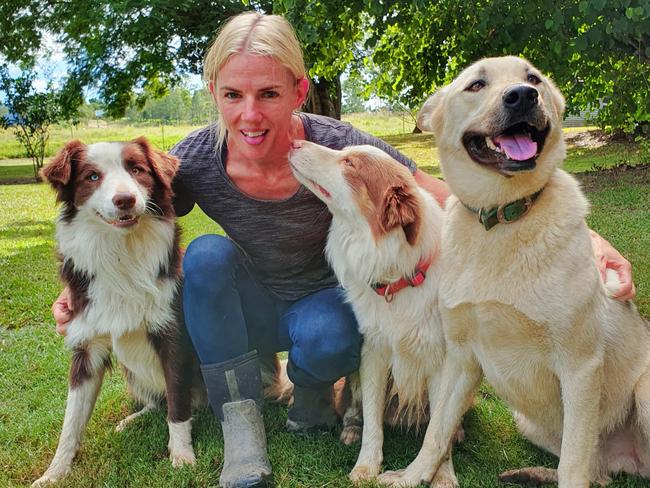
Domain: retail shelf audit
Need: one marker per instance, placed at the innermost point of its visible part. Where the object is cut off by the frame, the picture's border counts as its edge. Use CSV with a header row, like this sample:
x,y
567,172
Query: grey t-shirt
x,y
283,240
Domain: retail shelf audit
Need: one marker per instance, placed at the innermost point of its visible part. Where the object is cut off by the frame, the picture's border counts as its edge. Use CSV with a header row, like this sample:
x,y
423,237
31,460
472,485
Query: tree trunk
x,y
324,98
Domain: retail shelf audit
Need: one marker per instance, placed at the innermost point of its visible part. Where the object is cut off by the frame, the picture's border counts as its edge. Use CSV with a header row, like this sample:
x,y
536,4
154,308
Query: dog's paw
x,y
403,477
50,477
43,481
444,480
363,473
350,434
182,457
127,420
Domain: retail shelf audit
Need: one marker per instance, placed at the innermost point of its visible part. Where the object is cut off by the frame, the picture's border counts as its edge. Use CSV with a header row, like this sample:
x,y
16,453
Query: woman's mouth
x,y
254,137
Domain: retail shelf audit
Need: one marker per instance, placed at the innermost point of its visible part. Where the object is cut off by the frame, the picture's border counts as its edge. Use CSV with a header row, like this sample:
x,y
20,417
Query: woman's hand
x,y
62,311
609,258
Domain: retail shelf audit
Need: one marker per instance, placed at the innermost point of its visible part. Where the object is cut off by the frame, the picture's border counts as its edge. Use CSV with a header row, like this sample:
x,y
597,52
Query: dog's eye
x,y
533,79
93,177
135,170
348,162
476,86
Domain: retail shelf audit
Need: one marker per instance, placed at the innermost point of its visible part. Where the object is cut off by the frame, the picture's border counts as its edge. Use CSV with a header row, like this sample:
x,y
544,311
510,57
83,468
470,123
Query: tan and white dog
x,y
383,245
521,296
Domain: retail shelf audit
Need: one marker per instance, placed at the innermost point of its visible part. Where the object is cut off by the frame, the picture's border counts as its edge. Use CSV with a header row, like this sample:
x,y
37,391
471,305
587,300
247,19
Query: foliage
x,y
178,105
352,90
596,50
128,51
30,113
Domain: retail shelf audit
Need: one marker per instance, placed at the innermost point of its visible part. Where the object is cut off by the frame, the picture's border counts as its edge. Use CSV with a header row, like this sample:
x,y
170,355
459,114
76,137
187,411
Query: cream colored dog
x,y
383,245
521,297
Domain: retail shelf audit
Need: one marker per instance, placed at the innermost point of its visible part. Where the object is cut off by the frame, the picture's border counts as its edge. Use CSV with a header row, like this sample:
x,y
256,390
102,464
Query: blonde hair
x,y
253,33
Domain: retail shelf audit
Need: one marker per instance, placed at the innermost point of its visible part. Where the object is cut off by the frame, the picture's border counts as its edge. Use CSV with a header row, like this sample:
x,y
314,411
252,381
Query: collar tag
x,y
506,213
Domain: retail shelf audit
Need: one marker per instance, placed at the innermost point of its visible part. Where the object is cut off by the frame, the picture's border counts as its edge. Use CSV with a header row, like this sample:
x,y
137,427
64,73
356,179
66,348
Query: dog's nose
x,y
296,144
521,98
124,201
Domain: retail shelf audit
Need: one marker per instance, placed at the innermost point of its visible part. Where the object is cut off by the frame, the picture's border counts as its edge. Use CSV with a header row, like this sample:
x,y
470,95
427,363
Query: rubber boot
x,y
235,391
312,408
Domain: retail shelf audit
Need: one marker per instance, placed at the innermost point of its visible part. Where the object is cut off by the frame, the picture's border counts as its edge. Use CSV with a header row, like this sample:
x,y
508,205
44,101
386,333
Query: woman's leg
x,y
321,334
221,299
215,280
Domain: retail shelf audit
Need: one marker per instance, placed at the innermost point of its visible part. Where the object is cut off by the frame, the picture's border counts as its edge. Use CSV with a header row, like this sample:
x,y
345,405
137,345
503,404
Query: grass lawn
x,y
34,362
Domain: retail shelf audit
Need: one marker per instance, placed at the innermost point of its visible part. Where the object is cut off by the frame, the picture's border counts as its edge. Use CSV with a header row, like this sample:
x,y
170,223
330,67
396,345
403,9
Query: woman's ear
x,y
212,86
302,88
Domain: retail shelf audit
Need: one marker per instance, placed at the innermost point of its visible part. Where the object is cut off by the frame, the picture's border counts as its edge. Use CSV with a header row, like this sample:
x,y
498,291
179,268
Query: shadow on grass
x,y
27,229
17,174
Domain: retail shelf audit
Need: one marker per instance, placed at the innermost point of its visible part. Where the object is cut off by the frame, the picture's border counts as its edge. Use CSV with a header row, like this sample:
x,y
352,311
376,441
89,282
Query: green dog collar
x,y
504,214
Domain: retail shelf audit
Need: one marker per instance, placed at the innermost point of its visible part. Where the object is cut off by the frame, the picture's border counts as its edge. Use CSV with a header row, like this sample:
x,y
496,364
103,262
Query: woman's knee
x,y
328,344
209,257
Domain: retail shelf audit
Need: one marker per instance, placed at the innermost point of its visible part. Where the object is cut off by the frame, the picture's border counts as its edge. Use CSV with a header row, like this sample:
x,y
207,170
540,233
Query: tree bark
x,y
324,98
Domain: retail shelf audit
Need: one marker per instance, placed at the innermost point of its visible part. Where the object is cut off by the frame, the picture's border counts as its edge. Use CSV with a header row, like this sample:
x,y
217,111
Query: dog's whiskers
x,y
153,209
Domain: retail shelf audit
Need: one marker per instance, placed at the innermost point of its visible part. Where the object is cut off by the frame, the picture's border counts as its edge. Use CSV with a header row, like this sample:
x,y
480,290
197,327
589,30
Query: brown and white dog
x,y
383,245
120,258
521,296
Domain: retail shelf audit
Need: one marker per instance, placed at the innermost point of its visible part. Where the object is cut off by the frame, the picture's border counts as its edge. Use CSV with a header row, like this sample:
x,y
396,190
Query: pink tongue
x,y
518,147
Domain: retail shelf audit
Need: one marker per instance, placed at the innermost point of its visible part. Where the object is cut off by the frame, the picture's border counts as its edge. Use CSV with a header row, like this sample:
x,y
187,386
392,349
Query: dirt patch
x,y
595,180
589,139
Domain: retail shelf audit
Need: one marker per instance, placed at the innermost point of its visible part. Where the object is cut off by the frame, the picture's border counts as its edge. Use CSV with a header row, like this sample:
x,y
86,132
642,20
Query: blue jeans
x,y
228,313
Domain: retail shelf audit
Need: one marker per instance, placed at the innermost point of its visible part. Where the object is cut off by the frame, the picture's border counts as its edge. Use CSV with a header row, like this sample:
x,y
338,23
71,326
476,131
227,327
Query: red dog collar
x,y
387,290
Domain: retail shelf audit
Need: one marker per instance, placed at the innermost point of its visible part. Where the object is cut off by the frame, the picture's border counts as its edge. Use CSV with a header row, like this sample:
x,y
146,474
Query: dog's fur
x,y
523,302
120,259
383,225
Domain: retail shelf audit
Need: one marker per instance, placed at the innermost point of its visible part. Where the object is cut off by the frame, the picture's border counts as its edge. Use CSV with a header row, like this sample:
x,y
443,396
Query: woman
x,y
267,287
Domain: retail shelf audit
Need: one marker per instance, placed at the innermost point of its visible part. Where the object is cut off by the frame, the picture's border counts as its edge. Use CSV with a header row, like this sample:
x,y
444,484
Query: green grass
x,y
164,137
34,362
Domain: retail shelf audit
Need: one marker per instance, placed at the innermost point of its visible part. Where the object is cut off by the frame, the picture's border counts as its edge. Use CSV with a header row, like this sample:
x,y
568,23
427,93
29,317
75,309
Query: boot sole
x,y
266,481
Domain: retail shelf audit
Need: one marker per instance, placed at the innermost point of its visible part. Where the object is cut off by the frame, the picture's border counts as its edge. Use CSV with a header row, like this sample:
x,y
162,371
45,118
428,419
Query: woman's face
x,y
256,97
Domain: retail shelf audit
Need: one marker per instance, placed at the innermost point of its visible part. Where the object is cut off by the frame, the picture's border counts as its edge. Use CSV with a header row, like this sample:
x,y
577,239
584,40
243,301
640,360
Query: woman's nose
x,y
251,111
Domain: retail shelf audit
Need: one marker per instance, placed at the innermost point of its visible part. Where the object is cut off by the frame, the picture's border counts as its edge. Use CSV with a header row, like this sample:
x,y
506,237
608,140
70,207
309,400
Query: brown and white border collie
x,y
383,245
120,259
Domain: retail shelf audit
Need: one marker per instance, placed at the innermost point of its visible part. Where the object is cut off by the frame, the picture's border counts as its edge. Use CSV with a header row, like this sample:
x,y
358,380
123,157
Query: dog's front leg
x,y
87,370
581,389
178,386
461,376
375,363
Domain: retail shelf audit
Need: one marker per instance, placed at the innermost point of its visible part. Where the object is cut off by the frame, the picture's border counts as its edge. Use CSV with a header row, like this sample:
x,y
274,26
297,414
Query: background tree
x,y
30,113
352,89
598,51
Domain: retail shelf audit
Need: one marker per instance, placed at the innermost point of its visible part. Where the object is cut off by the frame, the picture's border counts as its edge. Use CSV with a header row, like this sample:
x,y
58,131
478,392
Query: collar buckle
x,y
501,218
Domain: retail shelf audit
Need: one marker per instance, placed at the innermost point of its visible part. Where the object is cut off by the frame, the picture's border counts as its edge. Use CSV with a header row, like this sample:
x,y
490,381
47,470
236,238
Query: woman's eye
x,y
231,95
271,94
535,80
476,86
93,177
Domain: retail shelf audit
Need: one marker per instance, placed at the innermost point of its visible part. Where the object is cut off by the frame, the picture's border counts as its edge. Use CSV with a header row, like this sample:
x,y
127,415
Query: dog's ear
x,y
401,209
430,115
163,165
59,170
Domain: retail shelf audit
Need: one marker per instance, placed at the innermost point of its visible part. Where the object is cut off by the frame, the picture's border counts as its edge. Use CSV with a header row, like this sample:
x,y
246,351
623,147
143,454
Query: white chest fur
x,y
126,290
